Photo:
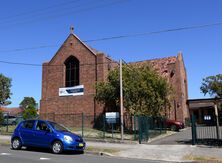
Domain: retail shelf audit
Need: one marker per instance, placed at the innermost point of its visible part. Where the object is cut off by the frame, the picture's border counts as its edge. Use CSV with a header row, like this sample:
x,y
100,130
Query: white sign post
x,y
111,118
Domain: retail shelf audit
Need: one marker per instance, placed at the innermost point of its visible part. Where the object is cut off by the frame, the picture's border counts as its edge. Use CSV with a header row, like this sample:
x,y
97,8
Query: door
x,y
26,132
43,135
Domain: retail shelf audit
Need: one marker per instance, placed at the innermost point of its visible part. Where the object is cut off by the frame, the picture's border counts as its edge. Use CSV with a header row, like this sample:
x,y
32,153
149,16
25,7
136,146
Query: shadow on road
x,y
45,150
186,142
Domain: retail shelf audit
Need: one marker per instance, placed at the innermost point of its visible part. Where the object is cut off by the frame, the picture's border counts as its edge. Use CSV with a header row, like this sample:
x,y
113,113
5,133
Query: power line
x,y
29,48
41,14
19,63
156,32
39,10
39,65
123,36
54,15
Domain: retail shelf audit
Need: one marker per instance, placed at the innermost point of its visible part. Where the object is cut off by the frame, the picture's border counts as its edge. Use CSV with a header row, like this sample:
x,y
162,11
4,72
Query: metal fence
x,y
148,127
206,134
136,128
8,123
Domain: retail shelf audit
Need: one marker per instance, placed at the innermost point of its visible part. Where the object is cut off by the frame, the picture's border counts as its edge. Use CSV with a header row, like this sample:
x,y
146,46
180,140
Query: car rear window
x,y
28,124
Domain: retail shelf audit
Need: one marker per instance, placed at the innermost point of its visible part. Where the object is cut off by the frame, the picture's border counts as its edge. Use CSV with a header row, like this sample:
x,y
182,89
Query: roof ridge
x,y
164,58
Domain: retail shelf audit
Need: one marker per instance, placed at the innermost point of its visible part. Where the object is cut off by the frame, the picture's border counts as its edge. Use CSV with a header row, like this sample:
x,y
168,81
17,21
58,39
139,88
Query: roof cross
x,y
71,30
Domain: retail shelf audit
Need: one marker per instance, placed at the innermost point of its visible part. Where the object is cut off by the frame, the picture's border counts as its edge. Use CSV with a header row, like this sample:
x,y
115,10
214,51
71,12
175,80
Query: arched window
x,y
72,71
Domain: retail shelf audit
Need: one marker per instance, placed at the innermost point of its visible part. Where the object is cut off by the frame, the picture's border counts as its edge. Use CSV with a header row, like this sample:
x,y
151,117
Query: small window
x,y
109,66
42,126
28,124
172,73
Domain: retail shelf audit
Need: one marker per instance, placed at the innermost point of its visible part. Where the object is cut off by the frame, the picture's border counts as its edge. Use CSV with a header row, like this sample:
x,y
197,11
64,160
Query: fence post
x,y
134,122
194,133
104,126
82,124
7,123
146,122
148,128
140,129
164,125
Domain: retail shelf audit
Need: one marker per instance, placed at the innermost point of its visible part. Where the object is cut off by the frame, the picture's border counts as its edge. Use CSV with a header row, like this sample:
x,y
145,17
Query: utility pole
x,y
121,97
216,102
217,120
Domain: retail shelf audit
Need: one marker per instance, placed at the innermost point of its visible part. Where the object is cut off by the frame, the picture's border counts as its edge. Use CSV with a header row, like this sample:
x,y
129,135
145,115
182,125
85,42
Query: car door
x,y
26,132
43,134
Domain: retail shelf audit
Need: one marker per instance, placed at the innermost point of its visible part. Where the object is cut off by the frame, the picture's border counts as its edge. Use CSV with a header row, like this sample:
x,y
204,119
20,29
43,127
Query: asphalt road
x,y
182,137
39,155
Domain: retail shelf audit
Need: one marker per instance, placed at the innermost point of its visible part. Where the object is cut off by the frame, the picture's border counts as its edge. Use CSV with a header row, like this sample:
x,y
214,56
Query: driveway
x,y
182,137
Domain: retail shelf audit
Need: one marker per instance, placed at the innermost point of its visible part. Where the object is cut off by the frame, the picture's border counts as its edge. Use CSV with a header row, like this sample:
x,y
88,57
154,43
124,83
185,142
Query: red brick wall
x,y
53,78
94,66
181,89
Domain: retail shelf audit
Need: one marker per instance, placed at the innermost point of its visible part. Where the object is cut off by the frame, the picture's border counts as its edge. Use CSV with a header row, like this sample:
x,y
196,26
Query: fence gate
x,y
143,122
207,134
147,127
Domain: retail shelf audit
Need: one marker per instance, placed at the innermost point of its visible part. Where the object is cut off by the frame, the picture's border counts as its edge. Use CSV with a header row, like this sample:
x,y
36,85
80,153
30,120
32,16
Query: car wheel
x,y
57,147
16,144
173,128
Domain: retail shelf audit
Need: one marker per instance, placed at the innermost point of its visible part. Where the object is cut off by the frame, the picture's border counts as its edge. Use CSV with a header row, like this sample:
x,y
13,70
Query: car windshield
x,y
58,127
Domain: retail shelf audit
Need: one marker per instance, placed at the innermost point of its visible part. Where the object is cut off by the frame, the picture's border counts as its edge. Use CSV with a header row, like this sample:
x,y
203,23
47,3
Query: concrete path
x,y
5,137
172,153
175,153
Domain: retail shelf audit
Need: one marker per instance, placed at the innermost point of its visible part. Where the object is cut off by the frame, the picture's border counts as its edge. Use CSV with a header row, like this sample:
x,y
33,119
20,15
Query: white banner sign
x,y
72,91
112,117
112,114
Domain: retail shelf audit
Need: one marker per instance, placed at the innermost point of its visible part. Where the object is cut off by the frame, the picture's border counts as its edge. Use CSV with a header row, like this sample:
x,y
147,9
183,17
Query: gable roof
x,y
93,51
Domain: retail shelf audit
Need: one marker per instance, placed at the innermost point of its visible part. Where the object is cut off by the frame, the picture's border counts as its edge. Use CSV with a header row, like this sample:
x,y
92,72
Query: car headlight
x,y
68,138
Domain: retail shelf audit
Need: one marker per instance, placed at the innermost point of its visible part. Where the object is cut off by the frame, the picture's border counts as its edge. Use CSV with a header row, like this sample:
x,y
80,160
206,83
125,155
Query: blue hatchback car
x,y
46,134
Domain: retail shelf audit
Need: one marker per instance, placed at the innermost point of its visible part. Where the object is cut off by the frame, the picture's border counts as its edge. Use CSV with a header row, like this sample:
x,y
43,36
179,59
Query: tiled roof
x,y
161,65
12,111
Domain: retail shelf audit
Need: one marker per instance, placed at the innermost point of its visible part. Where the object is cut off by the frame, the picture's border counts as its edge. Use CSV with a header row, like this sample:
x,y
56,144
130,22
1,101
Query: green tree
x,y
27,101
5,92
212,85
145,92
30,112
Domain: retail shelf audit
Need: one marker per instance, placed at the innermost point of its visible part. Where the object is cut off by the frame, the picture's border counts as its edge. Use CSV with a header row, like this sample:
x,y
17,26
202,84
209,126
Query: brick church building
x,y
69,78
